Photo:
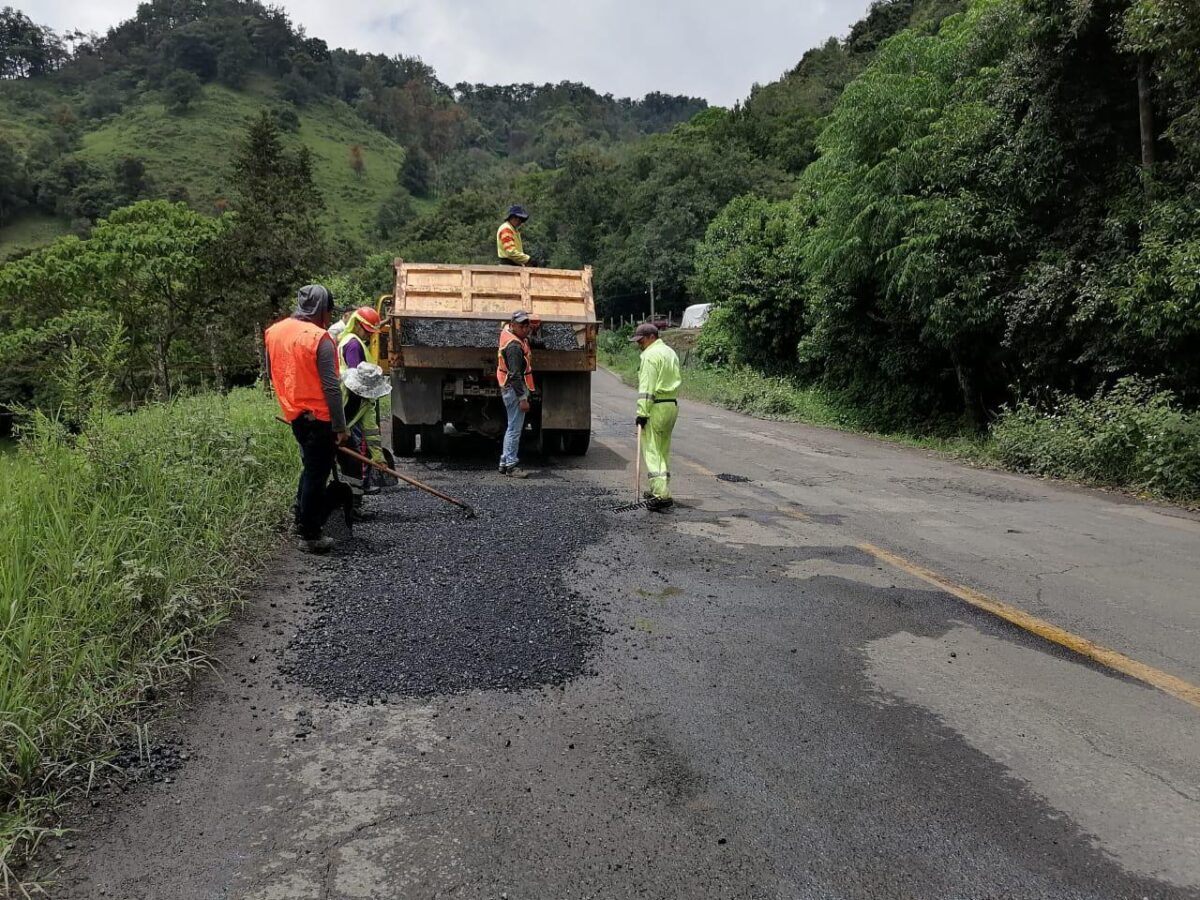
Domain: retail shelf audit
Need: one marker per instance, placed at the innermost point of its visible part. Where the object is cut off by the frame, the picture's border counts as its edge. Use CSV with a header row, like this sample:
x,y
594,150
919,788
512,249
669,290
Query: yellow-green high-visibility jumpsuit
x,y
658,386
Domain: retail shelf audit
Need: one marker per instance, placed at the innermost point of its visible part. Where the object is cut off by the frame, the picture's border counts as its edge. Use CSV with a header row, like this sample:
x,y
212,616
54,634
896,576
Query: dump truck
x,y
442,338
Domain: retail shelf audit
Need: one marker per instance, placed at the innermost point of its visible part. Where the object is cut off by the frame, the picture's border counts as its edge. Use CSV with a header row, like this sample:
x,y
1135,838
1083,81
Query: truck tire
x,y
433,439
404,438
575,443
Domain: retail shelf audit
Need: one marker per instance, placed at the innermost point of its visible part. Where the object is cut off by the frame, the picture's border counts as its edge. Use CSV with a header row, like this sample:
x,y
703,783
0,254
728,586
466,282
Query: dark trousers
x,y
352,470
317,451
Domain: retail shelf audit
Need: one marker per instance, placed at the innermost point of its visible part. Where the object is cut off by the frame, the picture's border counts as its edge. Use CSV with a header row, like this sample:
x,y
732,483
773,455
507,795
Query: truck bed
x,y
449,317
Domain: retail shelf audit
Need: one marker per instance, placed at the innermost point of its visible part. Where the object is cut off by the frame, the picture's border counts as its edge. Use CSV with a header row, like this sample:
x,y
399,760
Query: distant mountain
x,y
154,107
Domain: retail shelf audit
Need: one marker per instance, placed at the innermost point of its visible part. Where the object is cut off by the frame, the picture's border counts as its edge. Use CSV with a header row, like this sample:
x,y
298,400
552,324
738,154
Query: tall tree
x,y
14,185
277,243
179,90
26,48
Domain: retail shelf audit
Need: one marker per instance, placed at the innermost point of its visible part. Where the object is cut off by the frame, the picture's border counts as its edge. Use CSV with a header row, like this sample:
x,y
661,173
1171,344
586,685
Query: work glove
x,y
643,421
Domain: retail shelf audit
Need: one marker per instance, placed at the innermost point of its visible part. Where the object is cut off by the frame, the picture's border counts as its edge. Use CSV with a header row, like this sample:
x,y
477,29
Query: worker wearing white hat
x,y
365,383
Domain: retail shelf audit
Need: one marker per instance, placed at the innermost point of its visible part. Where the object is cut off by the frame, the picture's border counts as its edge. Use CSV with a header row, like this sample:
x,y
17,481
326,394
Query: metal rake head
x,y
631,507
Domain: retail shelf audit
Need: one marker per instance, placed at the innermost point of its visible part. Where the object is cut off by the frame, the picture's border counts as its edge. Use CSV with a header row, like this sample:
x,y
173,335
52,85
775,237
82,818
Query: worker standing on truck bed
x,y
302,362
508,238
514,372
354,349
657,410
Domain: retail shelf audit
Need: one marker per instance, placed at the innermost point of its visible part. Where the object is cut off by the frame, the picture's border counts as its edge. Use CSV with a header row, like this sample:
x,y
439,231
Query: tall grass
x,y
120,550
746,390
1132,436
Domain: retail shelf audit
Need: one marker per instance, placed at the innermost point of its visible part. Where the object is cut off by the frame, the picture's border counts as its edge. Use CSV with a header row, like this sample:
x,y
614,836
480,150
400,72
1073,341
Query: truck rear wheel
x,y
404,438
433,439
575,443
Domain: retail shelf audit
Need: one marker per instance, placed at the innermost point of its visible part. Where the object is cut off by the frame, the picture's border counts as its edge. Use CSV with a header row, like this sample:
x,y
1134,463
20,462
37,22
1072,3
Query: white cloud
x,y
625,47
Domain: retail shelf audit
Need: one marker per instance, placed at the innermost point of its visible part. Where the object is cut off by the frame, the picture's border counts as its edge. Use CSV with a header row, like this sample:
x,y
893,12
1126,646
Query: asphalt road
x,y
756,695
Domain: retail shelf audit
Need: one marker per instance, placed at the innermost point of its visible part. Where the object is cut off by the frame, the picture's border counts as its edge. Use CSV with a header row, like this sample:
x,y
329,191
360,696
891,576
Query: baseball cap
x,y
644,330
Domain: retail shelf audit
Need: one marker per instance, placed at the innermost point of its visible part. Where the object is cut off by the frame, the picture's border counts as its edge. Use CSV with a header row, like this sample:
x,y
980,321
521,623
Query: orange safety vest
x,y
292,350
506,338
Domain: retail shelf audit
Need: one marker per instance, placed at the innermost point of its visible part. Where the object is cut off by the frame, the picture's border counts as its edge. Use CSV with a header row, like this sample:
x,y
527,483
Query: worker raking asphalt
x,y
423,603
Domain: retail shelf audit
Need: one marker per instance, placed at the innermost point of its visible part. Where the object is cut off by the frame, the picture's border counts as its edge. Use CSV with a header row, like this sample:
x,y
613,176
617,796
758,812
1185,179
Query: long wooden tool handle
x,y
637,471
424,487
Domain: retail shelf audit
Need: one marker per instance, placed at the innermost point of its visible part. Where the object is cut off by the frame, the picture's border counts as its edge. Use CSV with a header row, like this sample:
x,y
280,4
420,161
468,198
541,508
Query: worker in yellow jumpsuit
x,y
657,411
508,238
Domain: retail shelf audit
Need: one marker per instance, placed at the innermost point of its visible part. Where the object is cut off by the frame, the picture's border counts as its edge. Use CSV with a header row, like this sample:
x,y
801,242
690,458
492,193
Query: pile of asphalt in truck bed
x,y
423,601
480,333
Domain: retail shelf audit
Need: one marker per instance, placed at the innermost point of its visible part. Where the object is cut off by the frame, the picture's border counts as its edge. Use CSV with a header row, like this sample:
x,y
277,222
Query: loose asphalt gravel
x,y
480,333
464,604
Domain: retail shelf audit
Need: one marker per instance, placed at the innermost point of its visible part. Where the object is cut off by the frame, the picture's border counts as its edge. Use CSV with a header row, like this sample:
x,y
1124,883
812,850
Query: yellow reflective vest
x,y
508,244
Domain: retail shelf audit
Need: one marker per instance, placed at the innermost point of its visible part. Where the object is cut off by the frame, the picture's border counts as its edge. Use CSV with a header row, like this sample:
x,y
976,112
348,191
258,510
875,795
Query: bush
x,y
717,345
179,90
616,342
1132,435
122,548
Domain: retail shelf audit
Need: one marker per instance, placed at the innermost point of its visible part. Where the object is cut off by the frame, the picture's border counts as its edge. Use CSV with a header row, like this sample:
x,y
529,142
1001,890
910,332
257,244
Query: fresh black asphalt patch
x,y
422,602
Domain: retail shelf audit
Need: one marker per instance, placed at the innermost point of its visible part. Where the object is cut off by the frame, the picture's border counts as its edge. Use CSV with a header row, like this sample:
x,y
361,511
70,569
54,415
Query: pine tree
x,y
277,244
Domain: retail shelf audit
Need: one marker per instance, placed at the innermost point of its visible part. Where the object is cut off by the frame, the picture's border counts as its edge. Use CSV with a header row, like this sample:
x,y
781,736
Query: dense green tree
x,y
395,213
148,267
179,90
416,173
277,243
131,180
235,59
14,182
747,265
27,49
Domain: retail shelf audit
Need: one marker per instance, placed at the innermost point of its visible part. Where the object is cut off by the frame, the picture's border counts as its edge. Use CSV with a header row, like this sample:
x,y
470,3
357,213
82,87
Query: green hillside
x,y
191,151
156,108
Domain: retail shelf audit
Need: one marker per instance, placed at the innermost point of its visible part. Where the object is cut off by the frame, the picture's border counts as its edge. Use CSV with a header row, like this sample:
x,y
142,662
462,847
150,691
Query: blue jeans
x,y
516,424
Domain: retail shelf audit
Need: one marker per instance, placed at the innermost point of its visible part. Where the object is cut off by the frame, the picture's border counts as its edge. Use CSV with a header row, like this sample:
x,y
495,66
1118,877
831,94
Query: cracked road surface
x,y
769,710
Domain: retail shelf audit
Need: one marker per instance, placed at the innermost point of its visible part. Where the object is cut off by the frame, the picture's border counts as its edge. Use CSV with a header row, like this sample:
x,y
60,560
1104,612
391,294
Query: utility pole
x,y
651,299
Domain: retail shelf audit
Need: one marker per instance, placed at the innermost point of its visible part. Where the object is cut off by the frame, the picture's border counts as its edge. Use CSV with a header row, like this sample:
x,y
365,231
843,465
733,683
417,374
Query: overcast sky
x,y
704,48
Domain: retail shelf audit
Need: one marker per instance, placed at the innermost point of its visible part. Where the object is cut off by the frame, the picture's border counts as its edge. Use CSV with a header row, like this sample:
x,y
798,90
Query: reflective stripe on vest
x,y
506,338
292,349
508,241
346,338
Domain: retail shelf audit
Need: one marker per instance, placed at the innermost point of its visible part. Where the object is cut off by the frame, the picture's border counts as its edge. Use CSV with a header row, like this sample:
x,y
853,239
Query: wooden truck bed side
x,y
492,293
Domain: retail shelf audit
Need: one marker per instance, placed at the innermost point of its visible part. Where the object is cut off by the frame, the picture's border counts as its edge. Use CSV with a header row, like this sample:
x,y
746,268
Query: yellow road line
x,y
1119,662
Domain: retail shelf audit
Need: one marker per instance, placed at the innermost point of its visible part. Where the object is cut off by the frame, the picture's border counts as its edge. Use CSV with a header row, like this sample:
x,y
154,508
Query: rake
x,y
466,507
637,479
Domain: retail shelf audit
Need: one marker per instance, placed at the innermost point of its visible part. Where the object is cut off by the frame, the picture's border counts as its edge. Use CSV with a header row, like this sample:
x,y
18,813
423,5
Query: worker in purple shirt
x,y
354,349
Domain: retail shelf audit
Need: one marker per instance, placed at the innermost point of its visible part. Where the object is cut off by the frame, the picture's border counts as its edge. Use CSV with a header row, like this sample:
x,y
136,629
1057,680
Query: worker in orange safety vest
x,y
302,362
514,372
